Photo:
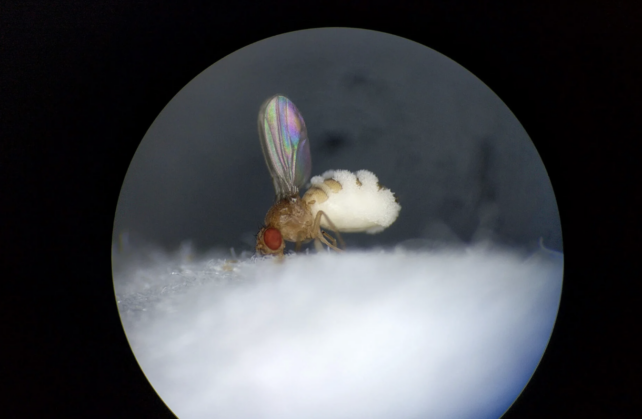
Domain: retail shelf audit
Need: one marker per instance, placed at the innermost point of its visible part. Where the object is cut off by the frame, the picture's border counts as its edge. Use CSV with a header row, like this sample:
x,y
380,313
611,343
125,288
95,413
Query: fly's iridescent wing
x,y
284,140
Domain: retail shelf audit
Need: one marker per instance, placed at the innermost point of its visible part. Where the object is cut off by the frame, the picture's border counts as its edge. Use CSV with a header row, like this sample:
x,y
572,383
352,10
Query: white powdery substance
x,y
356,208
353,335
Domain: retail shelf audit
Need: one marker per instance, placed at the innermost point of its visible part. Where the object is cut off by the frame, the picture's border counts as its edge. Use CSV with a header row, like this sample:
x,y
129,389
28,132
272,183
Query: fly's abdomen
x,y
354,202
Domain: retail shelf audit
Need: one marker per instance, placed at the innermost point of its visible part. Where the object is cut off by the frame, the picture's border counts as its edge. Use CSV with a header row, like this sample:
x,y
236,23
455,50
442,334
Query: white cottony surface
x,y
448,334
356,208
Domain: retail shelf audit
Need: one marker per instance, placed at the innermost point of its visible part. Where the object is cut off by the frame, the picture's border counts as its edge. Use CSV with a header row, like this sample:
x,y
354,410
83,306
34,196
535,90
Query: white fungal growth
x,y
358,204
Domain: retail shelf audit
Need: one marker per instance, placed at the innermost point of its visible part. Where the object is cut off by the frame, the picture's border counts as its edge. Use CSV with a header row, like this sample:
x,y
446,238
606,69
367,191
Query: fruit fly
x,y
356,202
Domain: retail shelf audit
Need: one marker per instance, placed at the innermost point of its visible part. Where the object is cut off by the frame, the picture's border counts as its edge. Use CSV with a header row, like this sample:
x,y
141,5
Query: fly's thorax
x,y
293,219
355,202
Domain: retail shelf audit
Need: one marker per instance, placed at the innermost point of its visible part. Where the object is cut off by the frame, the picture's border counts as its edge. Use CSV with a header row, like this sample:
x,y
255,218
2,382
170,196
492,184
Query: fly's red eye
x,y
272,238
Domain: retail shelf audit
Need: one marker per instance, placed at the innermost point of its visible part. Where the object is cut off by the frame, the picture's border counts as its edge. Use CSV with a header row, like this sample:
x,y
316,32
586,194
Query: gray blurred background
x,y
460,163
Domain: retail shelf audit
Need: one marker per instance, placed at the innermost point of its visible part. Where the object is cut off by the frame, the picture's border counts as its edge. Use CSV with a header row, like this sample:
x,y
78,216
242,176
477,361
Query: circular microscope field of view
x,y
337,223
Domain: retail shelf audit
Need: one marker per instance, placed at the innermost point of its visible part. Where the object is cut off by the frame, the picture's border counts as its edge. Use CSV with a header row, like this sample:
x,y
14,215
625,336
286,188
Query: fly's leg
x,y
320,235
329,238
297,247
327,243
332,227
316,227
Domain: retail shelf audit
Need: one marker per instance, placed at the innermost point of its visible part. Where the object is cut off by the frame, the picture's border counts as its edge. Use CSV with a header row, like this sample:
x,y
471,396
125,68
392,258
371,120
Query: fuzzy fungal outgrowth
x,y
355,202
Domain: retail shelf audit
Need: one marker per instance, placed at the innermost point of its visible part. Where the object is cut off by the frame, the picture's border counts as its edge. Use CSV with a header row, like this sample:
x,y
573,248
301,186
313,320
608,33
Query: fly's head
x,y
269,241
